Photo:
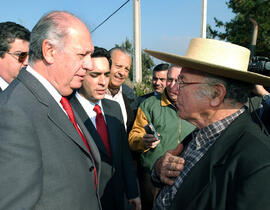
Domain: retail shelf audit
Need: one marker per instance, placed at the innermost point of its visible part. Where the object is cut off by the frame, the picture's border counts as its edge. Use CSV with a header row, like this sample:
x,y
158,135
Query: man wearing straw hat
x,y
225,162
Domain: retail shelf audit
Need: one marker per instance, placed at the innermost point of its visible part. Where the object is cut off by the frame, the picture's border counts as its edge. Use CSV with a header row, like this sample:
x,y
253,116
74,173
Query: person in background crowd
x,y
161,111
48,158
263,112
158,82
225,162
14,47
121,64
104,121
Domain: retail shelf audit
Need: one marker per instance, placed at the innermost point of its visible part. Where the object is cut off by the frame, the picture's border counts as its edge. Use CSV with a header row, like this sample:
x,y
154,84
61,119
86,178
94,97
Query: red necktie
x,y
67,107
102,128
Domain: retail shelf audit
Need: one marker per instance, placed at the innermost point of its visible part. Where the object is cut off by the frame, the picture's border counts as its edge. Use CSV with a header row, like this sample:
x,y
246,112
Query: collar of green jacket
x,y
164,99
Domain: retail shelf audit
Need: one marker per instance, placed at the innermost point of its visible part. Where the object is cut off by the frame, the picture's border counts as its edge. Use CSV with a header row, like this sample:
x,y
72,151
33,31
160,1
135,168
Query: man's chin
x,y
116,84
67,91
158,90
76,85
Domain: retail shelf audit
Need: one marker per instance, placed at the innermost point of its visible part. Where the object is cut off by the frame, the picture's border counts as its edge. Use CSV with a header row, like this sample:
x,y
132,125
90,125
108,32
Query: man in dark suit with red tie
x,y
48,160
104,121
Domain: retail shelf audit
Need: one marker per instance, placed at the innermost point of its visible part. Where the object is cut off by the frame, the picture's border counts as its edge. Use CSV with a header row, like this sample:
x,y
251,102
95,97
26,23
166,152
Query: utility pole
x,y
203,19
137,60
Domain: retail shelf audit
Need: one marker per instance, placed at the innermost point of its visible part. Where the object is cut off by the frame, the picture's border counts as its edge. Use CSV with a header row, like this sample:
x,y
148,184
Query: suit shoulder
x,y
111,103
13,93
112,108
128,92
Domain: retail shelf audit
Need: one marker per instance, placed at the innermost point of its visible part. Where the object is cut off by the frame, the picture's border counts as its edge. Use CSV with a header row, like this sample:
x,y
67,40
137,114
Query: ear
x,y
217,95
48,51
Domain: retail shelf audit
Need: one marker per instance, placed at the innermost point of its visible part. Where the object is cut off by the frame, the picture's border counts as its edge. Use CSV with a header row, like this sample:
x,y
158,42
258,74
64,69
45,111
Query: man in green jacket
x,y
161,111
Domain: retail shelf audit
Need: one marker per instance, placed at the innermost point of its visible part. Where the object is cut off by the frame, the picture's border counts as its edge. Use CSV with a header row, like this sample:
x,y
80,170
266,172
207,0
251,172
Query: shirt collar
x,y
164,99
51,89
214,130
109,93
3,84
87,102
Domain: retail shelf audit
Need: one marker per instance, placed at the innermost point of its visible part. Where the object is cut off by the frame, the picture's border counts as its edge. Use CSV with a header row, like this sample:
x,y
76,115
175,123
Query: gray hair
x,y
52,26
236,91
121,49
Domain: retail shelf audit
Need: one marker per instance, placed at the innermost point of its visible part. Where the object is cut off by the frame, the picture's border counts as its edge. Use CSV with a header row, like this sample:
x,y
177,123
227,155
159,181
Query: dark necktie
x,y
114,91
102,128
67,107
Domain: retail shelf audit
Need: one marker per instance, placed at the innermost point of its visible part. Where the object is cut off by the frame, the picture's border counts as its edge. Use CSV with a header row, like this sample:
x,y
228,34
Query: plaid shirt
x,y
201,141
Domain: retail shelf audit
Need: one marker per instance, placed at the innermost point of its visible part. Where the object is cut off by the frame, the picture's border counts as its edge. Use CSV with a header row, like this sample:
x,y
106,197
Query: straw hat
x,y
216,57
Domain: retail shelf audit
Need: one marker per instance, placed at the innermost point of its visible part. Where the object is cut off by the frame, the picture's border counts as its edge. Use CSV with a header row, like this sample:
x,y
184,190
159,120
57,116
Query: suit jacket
x,y
233,174
44,162
117,174
130,112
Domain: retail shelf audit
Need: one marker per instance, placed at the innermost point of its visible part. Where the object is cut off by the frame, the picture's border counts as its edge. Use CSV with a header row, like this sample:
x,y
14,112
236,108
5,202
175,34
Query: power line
x,y
110,16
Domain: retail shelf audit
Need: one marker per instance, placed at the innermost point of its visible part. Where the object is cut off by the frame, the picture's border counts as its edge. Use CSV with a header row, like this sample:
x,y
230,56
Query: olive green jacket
x,y
163,115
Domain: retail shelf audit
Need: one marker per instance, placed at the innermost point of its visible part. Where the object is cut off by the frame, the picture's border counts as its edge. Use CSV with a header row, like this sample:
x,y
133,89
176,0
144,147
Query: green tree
x,y
239,29
147,64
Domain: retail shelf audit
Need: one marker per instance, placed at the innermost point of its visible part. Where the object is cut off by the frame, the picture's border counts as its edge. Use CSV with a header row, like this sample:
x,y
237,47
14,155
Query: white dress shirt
x,y
88,107
3,84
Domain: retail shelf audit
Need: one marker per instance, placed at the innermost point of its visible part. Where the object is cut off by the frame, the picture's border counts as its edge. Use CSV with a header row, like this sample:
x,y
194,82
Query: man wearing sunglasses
x,y
14,47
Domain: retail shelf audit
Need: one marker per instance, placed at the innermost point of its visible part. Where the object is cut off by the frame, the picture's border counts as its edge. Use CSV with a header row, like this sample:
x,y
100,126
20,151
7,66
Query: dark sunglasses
x,y
21,56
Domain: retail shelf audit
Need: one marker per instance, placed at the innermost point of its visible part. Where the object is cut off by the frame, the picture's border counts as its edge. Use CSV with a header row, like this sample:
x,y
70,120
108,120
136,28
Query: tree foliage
x,y
147,64
239,29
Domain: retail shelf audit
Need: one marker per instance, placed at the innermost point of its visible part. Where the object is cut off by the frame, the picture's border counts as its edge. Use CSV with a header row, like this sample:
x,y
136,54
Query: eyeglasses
x,y
21,56
182,84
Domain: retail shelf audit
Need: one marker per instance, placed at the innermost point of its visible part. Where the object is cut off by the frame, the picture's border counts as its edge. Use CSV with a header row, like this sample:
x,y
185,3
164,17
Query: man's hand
x,y
259,90
170,165
136,203
149,141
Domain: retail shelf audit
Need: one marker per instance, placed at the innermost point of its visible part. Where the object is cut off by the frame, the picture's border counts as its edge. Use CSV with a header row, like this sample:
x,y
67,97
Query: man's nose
x,y
25,62
102,80
87,63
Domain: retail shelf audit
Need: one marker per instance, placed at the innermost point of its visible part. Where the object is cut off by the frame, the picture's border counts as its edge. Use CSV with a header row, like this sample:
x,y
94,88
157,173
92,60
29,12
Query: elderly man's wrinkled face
x,y
190,102
73,60
121,64
171,81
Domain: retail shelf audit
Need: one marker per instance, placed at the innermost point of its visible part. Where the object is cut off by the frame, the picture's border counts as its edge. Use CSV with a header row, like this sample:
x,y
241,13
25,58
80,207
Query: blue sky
x,y
166,25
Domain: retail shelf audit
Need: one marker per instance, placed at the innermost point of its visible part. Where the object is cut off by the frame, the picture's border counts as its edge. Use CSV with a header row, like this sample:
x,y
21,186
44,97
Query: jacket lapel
x,y
193,187
111,125
93,148
88,124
